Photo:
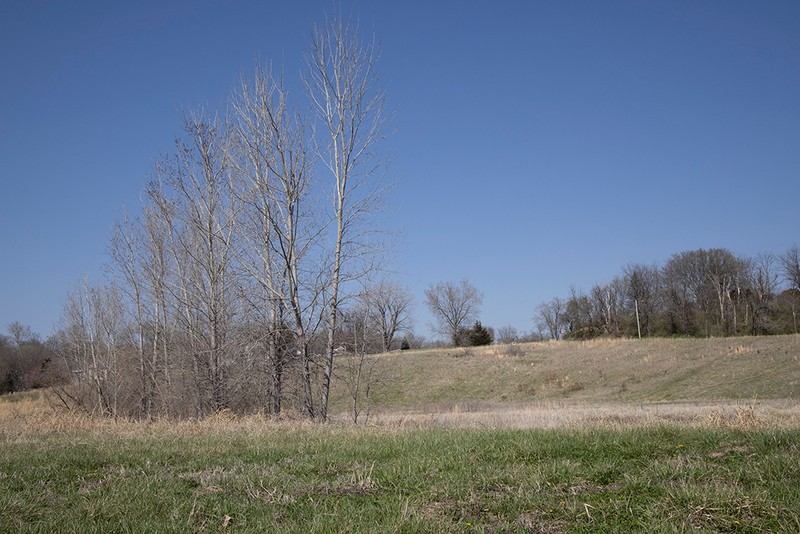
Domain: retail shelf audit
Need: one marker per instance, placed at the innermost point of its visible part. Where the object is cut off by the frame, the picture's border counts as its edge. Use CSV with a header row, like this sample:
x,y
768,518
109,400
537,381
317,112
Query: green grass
x,y
332,479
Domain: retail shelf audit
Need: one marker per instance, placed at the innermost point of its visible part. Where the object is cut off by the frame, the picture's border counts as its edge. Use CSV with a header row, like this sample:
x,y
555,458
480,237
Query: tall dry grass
x,y
555,414
31,418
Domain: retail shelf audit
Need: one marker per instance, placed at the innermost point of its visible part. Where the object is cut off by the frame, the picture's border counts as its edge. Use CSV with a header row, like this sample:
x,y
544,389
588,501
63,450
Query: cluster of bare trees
x,y
229,290
696,293
26,362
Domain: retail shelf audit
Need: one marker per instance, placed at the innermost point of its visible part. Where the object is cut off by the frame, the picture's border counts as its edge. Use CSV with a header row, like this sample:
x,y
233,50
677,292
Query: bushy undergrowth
x,y
233,476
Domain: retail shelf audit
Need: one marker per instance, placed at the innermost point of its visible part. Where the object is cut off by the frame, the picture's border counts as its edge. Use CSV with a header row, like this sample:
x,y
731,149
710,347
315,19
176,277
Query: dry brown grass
x,y
554,414
604,371
24,420
739,383
30,415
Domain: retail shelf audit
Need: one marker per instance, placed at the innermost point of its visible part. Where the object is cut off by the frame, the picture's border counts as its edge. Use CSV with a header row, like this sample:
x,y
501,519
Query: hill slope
x,y
598,371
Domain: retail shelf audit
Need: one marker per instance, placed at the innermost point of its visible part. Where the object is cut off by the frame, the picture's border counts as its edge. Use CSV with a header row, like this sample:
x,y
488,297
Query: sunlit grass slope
x,y
602,371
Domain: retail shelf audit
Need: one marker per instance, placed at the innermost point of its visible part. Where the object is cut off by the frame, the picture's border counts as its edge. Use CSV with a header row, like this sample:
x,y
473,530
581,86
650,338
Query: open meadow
x,y
661,435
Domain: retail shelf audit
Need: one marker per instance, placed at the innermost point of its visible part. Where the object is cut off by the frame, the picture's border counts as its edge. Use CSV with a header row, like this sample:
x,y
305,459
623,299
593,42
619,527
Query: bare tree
x,y
197,203
726,276
683,292
608,300
552,317
705,285
790,299
278,231
790,261
389,305
507,334
342,82
360,369
763,284
578,313
140,267
642,290
91,344
453,305
234,262
20,333
157,270
124,249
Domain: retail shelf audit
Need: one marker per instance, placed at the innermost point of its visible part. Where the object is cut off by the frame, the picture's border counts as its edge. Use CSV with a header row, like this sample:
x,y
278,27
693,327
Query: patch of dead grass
x,y
767,414
26,422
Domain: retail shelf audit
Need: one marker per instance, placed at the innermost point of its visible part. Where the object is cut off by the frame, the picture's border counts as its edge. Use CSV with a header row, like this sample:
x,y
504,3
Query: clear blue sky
x,y
538,144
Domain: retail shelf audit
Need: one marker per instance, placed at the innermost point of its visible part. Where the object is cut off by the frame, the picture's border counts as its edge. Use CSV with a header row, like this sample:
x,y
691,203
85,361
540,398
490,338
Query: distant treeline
x,y
695,293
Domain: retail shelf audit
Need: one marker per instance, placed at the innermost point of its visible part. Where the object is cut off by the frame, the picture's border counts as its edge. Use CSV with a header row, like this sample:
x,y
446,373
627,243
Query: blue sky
x,y
537,144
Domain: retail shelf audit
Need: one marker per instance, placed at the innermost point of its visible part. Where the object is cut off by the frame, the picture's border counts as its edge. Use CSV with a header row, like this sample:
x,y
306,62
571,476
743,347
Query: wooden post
x,y
638,326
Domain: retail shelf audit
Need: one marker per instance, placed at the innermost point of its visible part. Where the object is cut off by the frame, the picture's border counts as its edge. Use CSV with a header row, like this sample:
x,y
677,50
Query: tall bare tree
x,y
158,271
342,82
140,265
552,317
389,306
453,305
642,288
91,344
608,300
124,249
762,282
200,209
279,232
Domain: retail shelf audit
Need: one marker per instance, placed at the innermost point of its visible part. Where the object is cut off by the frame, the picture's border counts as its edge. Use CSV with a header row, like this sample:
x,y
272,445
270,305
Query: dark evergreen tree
x,y
479,335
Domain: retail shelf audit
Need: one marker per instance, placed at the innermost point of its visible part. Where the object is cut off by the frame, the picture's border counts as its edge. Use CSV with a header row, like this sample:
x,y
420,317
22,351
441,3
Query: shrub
x,y
480,335
476,336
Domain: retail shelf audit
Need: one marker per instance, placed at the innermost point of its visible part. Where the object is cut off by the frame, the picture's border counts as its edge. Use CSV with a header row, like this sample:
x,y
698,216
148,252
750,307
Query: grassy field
x,y
704,435
241,475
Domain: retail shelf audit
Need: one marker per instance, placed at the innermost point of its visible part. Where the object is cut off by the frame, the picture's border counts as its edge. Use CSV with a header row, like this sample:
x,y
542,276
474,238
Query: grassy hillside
x,y
598,371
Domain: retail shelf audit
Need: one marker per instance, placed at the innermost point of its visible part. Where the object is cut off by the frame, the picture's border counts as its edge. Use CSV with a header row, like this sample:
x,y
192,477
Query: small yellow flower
x,y
680,445
469,524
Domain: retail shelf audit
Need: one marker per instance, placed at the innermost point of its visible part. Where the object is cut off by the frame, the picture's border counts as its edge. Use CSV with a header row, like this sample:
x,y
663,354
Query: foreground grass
x,y
264,477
